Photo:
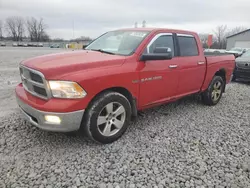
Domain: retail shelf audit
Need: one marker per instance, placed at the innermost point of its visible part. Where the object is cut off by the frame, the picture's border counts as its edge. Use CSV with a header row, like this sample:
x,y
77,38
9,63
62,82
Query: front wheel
x,y
107,118
214,92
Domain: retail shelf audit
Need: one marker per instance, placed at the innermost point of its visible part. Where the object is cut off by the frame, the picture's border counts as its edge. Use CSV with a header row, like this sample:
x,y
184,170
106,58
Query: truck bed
x,y
219,62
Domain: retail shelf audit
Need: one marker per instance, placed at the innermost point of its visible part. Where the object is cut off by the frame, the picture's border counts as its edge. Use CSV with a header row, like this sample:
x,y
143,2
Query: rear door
x,y
191,64
158,78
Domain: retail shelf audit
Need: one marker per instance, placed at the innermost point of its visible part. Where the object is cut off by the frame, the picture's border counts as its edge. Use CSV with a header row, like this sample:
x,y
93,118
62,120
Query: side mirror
x,y
159,53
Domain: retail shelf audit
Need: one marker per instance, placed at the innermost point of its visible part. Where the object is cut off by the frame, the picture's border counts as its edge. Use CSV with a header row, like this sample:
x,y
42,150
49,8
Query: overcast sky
x,y
93,17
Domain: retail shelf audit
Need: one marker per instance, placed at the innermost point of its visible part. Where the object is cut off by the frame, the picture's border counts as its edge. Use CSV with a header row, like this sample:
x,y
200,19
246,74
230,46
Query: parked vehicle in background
x,y
15,44
2,44
55,46
215,50
84,46
242,68
40,45
97,90
25,45
19,44
236,51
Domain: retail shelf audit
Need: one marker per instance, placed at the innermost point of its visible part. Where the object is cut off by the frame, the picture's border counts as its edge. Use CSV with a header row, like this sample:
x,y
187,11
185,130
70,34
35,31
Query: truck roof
x,y
158,29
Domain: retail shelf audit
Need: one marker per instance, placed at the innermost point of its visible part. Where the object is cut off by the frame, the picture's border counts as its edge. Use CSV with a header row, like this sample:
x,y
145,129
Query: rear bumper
x,y
243,74
70,121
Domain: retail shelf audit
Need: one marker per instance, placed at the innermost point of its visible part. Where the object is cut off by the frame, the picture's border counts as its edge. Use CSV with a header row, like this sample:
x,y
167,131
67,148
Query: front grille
x,y
40,91
36,77
34,82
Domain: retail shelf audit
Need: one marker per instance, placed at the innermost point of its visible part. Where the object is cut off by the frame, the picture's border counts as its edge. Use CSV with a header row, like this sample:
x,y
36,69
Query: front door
x,y
158,78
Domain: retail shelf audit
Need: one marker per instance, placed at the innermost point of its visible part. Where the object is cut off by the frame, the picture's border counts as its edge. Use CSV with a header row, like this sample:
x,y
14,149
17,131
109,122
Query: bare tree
x,y
236,30
36,29
220,33
15,27
1,30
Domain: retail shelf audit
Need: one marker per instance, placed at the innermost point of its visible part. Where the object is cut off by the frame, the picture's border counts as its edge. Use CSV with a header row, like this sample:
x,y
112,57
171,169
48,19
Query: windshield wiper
x,y
103,51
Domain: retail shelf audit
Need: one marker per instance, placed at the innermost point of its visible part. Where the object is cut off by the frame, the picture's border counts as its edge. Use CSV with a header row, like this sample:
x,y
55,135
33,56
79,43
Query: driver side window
x,y
160,40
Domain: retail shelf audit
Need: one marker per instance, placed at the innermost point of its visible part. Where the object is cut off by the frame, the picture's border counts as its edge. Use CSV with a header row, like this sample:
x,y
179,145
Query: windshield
x,y
118,42
236,49
246,54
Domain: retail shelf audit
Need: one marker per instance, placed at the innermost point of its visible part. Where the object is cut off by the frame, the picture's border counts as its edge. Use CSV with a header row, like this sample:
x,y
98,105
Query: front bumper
x,y
243,74
70,121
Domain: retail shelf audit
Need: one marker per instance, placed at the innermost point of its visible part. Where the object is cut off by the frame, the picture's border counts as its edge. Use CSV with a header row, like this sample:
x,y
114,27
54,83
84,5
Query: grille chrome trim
x,y
33,82
28,83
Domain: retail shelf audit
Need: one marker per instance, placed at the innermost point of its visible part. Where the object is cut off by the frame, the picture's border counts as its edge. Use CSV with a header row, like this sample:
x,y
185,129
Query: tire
x,y
214,91
103,122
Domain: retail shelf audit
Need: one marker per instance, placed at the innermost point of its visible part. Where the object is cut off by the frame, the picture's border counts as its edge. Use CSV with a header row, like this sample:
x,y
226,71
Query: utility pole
x,y
136,24
73,29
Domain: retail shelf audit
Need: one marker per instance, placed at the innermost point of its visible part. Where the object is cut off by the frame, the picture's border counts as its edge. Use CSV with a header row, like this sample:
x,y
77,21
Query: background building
x,y
241,39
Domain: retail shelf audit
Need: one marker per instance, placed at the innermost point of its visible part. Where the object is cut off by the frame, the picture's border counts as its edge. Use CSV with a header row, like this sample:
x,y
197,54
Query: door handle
x,y
201,63
173,66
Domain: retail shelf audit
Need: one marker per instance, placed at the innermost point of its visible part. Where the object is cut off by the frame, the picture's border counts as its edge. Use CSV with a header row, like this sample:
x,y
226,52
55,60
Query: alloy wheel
x,y
111,119
217,91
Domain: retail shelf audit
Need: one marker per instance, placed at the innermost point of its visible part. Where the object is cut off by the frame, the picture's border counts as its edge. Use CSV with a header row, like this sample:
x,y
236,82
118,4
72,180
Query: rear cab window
x,y
187,45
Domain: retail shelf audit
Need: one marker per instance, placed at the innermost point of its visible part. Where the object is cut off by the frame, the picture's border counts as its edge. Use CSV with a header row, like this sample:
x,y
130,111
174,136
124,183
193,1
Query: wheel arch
x,y
125,92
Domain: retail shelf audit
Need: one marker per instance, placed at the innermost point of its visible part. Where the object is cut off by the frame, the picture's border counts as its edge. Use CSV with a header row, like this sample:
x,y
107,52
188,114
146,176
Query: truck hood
x,y
243,62
243,59
55,66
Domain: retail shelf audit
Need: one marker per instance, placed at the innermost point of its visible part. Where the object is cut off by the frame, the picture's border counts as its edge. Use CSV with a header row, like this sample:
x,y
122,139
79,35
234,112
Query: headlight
x,y
66,89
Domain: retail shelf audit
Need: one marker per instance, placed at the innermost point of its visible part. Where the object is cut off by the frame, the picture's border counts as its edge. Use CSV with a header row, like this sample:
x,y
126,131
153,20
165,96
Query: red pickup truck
x,y
97,90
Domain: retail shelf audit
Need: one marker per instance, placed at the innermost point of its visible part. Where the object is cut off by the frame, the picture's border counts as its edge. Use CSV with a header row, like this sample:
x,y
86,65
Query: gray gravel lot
x,y
183,144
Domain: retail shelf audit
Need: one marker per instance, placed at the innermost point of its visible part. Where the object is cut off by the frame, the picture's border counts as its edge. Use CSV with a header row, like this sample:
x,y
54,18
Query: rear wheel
x,y
107,117
214,92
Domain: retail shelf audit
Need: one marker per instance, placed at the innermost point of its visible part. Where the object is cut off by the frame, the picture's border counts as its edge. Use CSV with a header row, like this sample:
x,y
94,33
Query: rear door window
x,y
188,45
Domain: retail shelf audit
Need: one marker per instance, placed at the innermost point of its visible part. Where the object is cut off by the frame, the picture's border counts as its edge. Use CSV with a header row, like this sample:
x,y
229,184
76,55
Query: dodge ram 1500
x,y
97,90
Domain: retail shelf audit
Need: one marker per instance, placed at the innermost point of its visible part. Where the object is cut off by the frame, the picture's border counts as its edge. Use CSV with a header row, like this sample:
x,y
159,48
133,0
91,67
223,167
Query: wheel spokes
x,y
217,85
107,129
101,120
118,124
213,95
109,108
119,111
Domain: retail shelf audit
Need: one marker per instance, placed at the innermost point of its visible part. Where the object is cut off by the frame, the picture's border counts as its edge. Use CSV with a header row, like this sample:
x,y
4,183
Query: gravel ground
x,y
183,144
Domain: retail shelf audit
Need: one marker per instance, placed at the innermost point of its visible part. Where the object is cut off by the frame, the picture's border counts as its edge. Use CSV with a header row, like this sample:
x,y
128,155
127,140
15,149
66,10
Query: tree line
x,y
17,27
220,34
